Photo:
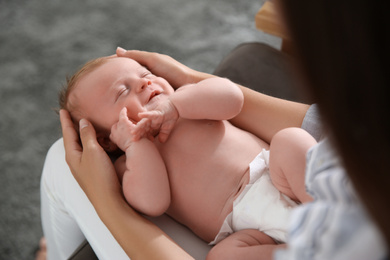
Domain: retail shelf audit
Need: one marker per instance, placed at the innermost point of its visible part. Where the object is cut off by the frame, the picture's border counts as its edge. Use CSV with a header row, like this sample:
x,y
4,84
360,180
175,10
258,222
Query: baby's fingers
x,y
123,115
147,114
114,128
140,129
156,118
165,131
124,123
142,124
163,137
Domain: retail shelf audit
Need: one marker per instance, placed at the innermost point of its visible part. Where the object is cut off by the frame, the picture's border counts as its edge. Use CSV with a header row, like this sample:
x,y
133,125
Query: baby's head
x,y
104,86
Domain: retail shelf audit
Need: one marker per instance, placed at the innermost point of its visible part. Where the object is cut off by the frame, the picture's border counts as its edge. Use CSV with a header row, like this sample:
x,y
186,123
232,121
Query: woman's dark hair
x,y
343,51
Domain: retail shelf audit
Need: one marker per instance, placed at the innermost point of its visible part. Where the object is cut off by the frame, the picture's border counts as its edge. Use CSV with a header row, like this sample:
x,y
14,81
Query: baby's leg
x,y
288,162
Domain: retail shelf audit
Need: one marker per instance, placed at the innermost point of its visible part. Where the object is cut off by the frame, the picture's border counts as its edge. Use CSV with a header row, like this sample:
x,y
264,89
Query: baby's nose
x,y
143,84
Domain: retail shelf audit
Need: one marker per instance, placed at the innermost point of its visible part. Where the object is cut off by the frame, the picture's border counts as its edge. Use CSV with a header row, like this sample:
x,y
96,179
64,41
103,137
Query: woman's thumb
x,y
87,132
139,56
83,124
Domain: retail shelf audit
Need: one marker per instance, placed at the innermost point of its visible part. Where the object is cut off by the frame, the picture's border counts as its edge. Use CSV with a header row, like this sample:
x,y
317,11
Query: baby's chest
x,y
194,146
194,137
198,150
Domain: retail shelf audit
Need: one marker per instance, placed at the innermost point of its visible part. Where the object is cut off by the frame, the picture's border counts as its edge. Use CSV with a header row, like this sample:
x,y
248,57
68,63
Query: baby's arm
x,y
245,244
213,98
145,181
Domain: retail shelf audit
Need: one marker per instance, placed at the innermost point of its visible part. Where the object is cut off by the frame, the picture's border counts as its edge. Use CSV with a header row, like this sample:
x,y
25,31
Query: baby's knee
x,y
287,133
292,136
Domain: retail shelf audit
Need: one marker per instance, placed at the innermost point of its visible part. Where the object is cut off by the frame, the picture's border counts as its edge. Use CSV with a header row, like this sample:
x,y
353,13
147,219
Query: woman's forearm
x,y
261,114
138,237
264,115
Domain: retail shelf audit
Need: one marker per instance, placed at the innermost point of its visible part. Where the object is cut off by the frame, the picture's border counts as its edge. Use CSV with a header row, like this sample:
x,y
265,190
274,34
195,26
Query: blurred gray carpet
x,y
43,41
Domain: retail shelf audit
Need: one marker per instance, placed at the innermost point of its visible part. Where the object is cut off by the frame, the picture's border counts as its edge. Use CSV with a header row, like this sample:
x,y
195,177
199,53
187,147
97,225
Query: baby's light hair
x,y
63,96
71,82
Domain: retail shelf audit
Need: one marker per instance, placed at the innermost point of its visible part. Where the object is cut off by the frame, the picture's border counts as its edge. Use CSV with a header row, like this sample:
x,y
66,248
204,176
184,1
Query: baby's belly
x,y
204,207
207,172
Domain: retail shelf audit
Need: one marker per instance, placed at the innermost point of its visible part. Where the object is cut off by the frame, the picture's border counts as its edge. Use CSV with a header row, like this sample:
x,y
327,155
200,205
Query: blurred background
x,y
42,41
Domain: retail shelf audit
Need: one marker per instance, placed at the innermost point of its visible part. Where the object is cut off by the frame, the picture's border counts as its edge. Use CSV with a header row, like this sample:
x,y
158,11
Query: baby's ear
x,y
106,143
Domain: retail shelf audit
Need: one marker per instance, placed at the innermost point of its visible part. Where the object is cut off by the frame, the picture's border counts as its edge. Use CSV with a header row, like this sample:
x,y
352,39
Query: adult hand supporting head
x,y
95,173
176,73
88,162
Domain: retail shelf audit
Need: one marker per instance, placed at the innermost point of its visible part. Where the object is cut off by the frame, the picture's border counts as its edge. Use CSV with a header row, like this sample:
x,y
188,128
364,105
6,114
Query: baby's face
x,y
120,82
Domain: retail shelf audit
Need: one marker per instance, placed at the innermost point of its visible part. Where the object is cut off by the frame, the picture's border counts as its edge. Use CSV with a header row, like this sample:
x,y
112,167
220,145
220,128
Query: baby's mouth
x,y
153,100
154,94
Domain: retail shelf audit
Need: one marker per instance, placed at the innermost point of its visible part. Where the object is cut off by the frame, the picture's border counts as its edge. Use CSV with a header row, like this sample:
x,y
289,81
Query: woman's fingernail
x,y
120,50
83,123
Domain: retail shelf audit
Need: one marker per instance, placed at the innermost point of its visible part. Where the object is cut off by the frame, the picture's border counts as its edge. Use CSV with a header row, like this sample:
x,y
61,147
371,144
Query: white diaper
x,y
260,205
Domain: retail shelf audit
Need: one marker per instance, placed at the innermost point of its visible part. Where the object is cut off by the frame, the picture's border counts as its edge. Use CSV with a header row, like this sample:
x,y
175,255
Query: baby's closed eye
x,y
122,91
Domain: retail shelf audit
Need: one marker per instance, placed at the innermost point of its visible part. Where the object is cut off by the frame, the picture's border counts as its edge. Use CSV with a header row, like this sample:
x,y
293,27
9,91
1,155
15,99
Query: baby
x,y
183,157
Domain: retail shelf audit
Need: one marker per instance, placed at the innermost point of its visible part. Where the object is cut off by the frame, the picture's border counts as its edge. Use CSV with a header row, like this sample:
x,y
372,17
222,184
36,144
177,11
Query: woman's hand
x,y
88,162
96,175
164,66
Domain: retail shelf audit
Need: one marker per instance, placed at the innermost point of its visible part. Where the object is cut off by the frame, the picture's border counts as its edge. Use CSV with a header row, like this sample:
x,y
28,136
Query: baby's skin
x,y
182,156
197,173
194,172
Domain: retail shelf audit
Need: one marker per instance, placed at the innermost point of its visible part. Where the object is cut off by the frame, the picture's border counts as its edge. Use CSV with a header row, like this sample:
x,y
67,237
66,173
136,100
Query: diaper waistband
x,y
258,166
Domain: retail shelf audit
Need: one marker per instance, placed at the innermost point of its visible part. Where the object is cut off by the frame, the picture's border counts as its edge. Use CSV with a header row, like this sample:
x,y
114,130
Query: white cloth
x,y
260,205
68,217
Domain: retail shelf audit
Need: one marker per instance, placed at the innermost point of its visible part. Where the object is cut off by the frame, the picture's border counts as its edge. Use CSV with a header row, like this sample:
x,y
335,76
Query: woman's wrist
x,y
195,76
137,235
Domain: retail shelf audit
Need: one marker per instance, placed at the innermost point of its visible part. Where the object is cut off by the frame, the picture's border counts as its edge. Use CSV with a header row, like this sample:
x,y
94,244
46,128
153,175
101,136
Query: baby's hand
x,y
124,132
162,119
